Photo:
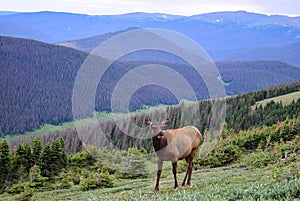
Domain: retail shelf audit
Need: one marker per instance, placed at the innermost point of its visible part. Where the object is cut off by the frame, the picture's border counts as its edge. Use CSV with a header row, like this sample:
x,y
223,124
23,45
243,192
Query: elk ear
x,y
165,122
148,122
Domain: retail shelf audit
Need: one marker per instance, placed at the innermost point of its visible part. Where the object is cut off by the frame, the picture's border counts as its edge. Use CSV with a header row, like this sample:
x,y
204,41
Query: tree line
x,y
241,114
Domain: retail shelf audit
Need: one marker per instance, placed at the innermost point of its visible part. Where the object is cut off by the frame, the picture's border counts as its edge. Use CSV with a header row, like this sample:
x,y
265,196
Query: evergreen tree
x,y
5,164
17,171
20,161
27,157
24,156
58,156
63,155
35,177
37,151
53,158
46,161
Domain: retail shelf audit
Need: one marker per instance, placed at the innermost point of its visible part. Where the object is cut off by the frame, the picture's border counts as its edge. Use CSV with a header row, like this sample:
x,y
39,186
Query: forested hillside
x,y
37,80
36,83
246,76
241,114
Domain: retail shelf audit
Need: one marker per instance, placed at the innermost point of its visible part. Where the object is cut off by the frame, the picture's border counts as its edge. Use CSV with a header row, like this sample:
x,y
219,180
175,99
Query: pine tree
x,y
63,155
27,157
37,151
35,177
24,156
53,158
46,161
20,161
56,156
5,164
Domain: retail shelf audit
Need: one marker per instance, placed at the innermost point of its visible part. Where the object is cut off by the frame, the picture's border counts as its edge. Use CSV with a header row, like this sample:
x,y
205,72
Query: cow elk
x,y
173,145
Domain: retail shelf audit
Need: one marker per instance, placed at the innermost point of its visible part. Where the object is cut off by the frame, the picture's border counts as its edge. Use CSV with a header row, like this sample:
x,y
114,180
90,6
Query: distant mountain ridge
x,y
90,43
215,32
248,19
289,54
37,81
7,12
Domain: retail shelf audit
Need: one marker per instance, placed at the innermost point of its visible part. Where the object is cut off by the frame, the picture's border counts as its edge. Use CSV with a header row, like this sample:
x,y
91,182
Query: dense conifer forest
x,y
37,81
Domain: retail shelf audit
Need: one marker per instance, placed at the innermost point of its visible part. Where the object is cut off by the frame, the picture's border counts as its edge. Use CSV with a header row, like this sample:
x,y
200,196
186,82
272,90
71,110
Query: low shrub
x,y
96,180
223,155
17,188
25,196
258,159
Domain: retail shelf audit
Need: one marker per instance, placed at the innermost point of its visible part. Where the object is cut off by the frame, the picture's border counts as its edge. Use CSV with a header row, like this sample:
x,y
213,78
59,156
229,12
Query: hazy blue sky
x,y
180,7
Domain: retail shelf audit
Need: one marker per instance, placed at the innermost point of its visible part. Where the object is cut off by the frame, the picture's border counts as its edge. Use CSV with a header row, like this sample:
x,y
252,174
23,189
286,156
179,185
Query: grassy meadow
x,y
284,99
225,183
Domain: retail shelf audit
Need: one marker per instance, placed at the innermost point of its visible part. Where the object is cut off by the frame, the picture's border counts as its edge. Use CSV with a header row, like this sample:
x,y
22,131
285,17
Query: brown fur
x,y
173,145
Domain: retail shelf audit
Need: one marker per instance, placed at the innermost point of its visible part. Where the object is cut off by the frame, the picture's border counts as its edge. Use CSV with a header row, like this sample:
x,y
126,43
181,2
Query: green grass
x,y
207,184
285,99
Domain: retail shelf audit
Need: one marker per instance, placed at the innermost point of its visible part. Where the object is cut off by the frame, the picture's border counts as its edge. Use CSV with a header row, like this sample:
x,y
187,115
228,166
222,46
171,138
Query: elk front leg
x,y
159,168
174,165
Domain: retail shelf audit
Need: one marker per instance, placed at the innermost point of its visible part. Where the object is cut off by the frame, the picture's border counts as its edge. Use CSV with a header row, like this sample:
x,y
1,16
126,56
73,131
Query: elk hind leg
x,y
187,170
191,165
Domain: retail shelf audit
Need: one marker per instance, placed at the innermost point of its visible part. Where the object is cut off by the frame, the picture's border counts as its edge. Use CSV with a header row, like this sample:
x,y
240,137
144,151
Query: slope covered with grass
x,y
258,164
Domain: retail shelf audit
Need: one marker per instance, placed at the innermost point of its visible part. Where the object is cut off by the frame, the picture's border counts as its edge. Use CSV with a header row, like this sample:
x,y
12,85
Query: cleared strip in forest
x,y
285,99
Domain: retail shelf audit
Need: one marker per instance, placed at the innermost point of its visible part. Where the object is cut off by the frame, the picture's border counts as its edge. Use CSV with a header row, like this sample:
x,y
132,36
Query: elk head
x,y
157,127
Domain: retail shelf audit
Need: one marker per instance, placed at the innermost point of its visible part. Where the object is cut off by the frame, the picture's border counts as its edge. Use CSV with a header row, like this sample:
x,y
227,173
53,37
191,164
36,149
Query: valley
x,y
251,148
30,89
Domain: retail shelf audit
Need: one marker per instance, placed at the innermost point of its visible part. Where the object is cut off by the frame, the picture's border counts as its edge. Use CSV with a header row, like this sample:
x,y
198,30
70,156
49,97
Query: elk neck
x,y
159,141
